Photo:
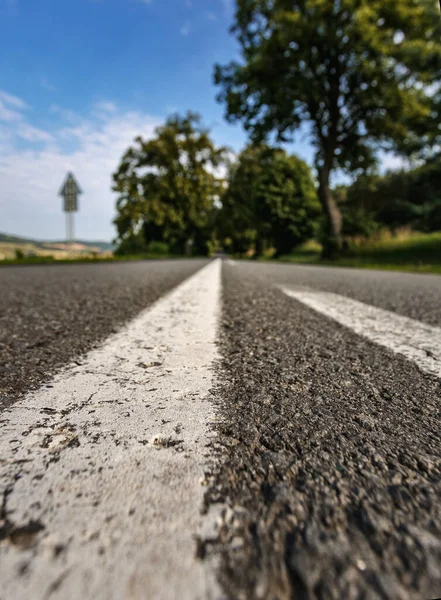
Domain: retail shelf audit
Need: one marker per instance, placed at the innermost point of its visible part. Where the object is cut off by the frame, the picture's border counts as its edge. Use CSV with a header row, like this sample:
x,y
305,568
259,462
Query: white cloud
x,y
91,147
10,107
8,114
14,121
12,100
33,134
210,16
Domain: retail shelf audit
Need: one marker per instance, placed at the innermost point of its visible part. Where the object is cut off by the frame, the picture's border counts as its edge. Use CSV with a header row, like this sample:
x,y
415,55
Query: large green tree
x,y
357,72
270,201
168,187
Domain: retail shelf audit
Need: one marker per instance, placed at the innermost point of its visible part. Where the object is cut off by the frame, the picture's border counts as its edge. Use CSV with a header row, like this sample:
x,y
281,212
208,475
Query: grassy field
x,y
84,259
14,252
34,251
406,251
416,252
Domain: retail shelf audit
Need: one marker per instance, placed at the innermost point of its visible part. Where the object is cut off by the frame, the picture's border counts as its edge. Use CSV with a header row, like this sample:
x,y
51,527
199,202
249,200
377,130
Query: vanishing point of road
x,y
219,429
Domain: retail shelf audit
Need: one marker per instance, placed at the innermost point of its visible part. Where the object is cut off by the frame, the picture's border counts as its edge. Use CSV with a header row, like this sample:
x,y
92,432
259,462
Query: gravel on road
x,y
330,470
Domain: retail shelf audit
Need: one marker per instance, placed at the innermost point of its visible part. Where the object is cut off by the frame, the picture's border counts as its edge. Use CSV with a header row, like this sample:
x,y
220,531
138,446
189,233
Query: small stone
x,y
361,565
237,543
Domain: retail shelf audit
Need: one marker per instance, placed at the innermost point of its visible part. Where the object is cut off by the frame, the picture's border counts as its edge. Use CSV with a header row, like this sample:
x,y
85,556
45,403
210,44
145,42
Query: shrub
x,y
158,248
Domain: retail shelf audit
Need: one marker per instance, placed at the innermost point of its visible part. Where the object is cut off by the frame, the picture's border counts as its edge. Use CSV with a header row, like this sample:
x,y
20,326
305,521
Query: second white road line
x,y
102,471
416,341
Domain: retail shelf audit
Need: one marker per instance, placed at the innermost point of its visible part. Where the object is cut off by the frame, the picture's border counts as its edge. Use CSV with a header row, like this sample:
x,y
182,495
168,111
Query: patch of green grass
x,y
415,252
43,260
31,260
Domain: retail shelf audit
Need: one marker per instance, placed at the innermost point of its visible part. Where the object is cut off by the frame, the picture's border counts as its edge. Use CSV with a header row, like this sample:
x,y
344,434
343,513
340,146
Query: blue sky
x,y
79,79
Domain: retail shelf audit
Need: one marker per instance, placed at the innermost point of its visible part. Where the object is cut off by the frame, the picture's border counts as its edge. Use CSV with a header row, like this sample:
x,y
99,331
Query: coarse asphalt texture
x,y
328,448
331,467
51,314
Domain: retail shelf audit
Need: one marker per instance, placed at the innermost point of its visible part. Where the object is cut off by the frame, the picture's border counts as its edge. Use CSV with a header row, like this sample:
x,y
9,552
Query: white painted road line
x,y
416,341
110,461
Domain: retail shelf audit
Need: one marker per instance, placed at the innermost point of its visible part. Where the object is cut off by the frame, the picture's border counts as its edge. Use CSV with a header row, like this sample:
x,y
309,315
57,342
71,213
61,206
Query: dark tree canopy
x,y
358,72
270,201
410,199
168,186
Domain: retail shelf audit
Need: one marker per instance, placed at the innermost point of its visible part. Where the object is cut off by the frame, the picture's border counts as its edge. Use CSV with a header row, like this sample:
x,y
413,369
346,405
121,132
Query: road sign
x,y
70,191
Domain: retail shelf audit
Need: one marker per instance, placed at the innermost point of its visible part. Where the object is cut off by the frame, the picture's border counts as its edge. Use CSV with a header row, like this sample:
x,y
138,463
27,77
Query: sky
x,y
80,79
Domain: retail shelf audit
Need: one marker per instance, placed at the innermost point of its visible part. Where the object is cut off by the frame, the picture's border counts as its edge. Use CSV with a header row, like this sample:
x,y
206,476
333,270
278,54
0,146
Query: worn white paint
x,y
111,461
416,341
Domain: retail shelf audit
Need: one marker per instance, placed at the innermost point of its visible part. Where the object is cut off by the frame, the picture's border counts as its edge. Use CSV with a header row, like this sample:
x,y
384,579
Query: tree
x,y
270,200
409,198
167,187
237,222
356,71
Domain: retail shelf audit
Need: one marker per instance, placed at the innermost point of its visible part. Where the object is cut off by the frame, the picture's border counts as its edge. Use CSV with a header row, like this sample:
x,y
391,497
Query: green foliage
x,y
271,201
19,254
136,245
358,222
411,252
356,71
167,188
131,244
402,198
159,248
425,195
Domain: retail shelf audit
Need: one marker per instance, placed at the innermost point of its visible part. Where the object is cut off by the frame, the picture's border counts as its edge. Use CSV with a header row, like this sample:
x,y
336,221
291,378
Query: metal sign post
x,y
70,191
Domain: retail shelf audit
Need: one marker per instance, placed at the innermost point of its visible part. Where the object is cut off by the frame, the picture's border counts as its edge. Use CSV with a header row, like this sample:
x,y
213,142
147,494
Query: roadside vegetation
x,y
356,78
42,260
18,250
404,251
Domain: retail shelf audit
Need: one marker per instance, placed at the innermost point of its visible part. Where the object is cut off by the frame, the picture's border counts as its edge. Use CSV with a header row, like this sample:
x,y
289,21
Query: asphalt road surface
x,y
51,315
197,429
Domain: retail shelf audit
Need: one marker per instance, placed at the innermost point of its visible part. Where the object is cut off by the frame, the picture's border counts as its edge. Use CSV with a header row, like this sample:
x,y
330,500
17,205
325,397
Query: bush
x,y
132,245
160,248
409,198
359,222
271,202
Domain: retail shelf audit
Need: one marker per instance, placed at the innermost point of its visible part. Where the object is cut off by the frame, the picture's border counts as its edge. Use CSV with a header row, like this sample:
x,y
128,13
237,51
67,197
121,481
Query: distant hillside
x,y
105,246
13,239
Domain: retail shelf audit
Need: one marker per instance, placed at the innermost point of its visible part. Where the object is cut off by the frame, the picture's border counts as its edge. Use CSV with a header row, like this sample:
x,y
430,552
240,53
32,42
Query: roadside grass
x,y
44,260
407,251
48,251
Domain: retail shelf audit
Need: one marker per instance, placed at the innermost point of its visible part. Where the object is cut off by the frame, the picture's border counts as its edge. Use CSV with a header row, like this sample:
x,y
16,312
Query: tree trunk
x,y
332,242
